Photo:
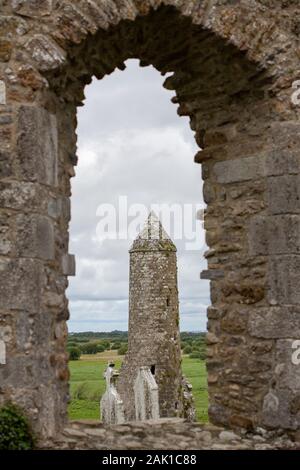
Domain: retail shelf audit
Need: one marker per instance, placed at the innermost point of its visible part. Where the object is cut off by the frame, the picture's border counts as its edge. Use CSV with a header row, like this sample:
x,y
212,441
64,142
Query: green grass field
x,y
88,384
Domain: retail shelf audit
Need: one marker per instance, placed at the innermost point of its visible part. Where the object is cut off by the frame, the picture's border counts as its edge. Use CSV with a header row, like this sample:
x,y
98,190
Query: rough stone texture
x,y
274,235
2,352
153,329
235,171
37,145
2,92
32,8
20,281
35,237
233,65
45,52
284,280
275,322
166,434
68,265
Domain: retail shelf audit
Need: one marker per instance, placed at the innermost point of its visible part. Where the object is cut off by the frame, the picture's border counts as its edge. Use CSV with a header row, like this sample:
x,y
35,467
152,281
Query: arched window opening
x,y
130,144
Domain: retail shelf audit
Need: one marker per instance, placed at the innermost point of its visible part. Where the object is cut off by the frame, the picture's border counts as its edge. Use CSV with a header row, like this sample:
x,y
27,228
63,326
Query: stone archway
x,y
233,69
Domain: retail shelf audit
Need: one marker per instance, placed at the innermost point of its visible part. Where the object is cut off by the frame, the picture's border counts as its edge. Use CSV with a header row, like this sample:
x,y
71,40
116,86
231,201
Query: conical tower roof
x,y
153,237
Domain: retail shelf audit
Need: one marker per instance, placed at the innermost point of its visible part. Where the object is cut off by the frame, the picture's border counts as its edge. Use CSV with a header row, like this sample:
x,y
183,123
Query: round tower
x,y
153,333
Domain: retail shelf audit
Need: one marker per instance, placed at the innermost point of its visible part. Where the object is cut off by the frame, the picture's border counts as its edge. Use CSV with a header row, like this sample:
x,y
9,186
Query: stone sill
x,y
169,433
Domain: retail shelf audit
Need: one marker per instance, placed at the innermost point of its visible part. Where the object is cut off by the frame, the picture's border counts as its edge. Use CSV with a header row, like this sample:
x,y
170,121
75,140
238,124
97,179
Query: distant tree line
x,y
78,345
192,344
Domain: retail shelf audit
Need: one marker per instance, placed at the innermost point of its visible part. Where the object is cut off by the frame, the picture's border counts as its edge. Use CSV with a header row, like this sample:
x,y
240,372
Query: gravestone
x,y
111,405
146,395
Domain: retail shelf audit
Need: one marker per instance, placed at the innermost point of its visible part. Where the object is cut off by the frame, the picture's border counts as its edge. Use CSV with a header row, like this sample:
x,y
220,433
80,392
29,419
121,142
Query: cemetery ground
x,y
87,384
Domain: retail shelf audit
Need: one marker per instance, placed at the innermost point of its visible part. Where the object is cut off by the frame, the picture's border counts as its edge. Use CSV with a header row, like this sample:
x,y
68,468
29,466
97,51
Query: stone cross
x,y
146,395
111,404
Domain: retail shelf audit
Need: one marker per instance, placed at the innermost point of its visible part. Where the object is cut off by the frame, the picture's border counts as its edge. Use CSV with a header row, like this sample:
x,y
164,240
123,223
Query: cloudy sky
x,y
131,143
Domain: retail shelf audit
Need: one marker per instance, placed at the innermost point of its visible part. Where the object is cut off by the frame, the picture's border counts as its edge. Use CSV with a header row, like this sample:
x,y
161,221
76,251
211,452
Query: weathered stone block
x,y
54,300
287,373
5,164
2,352
20,284
60,207
5,137
35,237
212,274
98,12
240,169
285,137
6,333
5,235
24,329
278,234
235,321
54,208
257,238
37,145
284,280
32,8
43,327
283,194
6,119
2,93
25,371
12,25
45,52
20,196
33,329
68,265
276,412
208,193
275,322
282,161
61,330
218,413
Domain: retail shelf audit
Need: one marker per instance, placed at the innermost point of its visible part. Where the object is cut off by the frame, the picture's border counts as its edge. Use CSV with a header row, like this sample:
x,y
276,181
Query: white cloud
x,y
86,315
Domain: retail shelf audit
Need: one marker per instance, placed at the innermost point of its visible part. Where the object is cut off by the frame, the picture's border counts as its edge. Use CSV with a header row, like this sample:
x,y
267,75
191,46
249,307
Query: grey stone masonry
x,y
153,330
166,434
2,93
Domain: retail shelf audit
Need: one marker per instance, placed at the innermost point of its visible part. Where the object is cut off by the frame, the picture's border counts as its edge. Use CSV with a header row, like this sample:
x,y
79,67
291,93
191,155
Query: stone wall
x,y
233,66
166,434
